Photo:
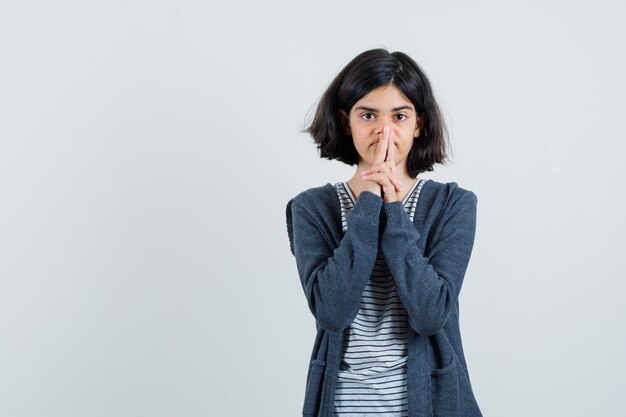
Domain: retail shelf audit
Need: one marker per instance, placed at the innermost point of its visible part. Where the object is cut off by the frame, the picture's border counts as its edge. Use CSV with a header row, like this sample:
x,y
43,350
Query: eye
x,y
366,116
401,116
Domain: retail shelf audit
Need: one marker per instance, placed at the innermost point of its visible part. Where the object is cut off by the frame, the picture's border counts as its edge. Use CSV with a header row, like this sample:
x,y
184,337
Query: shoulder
x,y
443,201
315,204
450,192
313,196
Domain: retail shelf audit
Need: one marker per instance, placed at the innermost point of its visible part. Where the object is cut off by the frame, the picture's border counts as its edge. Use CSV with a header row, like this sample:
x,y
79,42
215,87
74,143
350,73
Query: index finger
x,y
381,149
391,150
391,154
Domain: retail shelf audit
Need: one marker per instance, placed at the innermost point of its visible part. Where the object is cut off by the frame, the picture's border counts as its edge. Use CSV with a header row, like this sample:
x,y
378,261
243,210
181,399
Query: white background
x,y
148,150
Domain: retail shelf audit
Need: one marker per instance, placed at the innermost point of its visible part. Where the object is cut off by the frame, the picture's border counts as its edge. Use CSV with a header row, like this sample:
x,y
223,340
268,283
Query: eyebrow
x,y
405,107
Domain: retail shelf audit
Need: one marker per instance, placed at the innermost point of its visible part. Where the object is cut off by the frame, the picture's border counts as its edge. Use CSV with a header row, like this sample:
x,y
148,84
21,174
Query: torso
x,y
372,372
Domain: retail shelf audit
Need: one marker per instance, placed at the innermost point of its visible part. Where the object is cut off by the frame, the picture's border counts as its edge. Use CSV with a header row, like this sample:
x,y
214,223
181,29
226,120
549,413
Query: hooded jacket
x,y
427,257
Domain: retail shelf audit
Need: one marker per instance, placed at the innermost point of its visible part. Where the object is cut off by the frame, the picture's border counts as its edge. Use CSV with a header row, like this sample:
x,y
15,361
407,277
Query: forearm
x,y
429,286
334,279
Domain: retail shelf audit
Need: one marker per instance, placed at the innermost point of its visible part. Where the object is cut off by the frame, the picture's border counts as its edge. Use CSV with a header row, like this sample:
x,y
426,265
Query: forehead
x,y
385,98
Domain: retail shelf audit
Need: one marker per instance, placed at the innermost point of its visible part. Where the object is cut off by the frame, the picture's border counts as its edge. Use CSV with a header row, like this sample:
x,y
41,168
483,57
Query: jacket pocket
x,y
313,387
444,387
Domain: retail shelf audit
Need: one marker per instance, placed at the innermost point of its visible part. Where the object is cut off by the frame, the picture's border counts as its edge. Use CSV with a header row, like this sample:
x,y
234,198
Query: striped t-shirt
x,y
372,373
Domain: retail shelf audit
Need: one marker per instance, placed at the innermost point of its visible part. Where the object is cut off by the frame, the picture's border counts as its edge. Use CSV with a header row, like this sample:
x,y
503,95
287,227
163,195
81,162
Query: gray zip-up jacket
x,y
427,258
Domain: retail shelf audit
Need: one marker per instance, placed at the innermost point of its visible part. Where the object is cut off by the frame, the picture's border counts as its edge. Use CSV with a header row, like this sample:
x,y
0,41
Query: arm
x,y
334,280
429,287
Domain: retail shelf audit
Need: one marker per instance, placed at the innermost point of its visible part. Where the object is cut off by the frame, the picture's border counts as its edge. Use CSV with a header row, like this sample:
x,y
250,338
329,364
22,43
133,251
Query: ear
x,y
419,126
345,121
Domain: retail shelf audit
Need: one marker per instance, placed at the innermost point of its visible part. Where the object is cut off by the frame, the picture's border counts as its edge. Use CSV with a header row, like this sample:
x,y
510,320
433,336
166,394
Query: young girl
x,y
382,256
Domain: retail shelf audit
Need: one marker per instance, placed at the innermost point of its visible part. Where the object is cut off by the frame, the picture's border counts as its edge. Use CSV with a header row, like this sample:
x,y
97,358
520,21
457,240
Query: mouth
x,y
376,144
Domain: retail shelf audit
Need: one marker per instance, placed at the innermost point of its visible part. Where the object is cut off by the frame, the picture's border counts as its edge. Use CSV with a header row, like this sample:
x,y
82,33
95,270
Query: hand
x,y
383,171
371,186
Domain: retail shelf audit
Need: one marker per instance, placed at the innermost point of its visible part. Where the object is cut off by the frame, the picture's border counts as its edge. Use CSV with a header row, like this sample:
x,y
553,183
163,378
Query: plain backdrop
x,y
148,150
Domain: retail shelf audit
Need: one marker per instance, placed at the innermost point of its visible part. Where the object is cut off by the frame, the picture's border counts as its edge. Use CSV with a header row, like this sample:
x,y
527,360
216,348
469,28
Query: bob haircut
x,y
366,72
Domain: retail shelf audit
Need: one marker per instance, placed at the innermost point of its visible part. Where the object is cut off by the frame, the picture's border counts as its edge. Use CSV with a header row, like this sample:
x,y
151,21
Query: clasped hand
x,y
383,170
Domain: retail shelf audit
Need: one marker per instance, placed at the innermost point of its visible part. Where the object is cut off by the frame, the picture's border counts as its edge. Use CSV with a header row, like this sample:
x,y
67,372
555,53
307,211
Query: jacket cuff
x,y
368,205
394,214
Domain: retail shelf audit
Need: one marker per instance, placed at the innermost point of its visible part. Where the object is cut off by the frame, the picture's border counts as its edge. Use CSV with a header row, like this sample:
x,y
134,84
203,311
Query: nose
x,y
382,122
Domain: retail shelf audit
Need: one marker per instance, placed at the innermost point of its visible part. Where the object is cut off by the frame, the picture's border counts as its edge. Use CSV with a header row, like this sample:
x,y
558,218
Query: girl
x,y
382,256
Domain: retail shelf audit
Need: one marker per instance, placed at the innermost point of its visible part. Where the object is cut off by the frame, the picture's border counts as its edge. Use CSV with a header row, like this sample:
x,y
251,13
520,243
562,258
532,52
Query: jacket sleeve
x,y
429,286
334,279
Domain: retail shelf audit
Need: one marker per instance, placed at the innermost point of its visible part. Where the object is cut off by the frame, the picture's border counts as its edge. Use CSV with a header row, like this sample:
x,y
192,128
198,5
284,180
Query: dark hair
x,y
367,71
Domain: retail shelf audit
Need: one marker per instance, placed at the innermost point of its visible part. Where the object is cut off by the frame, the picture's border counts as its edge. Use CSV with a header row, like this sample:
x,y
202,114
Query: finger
x,y
384,180
381,150
391,154
396,183
376,177
391,185
384,167
388,186
390,181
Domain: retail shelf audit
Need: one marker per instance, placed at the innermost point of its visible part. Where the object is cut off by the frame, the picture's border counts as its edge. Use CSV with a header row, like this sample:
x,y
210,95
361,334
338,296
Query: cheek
x,y
404,147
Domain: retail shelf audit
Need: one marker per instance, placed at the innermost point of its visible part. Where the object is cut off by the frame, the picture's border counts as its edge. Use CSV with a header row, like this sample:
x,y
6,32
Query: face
x,y
383,106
